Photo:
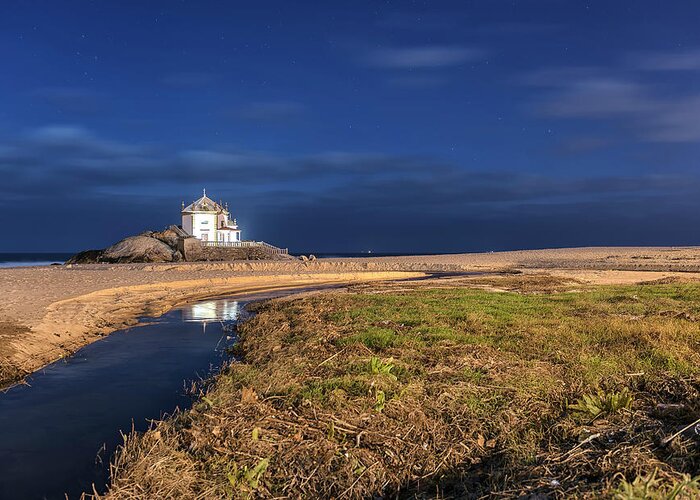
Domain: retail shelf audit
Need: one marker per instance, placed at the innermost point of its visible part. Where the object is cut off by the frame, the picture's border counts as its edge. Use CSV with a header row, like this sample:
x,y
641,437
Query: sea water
x,y
25,259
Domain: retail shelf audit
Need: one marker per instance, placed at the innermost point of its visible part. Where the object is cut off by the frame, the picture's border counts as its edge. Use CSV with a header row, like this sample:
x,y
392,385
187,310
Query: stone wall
x,y
193,251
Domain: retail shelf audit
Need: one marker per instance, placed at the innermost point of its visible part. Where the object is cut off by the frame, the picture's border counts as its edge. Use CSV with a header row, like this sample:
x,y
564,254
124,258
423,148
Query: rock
x,y
191,249
138,249
167,236
86,257
177,256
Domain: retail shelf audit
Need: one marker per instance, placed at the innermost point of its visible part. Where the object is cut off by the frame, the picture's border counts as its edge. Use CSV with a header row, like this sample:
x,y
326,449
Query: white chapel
x,y
208,220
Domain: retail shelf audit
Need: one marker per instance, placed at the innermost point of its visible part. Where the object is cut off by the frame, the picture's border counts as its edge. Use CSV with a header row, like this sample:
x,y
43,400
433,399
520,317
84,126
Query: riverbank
x,y
48,312
39,326
508,386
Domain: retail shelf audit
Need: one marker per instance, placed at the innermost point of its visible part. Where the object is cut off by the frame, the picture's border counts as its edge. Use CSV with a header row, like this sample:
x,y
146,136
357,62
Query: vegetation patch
x,y
9,371
447,392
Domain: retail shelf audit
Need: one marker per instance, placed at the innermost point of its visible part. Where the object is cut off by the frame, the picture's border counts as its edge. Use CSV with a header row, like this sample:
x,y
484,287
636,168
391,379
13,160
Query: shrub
x,y
603,403
379,367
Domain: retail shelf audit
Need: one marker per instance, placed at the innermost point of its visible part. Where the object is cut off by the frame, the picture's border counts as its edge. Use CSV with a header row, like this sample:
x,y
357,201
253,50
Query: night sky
x,y
349,126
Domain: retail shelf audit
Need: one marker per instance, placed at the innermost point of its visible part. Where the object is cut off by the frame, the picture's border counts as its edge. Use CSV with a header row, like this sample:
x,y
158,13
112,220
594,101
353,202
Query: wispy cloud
x,y
676,121
300,199
426,56
628,95
598,97
64,156
682,60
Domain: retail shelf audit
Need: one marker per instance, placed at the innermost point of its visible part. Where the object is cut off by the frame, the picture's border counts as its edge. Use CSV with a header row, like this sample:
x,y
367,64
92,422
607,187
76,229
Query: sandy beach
x,y
49,312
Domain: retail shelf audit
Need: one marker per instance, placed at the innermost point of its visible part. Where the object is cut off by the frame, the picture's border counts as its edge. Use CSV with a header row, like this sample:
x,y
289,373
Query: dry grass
x,y
9,372
445,393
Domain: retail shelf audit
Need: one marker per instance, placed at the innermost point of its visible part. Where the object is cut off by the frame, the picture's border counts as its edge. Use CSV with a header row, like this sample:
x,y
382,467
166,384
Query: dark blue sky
x,y
346,126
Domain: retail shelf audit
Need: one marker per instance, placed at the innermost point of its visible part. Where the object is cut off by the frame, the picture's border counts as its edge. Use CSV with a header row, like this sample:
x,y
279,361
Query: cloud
x,y
645,108
425,57
54,159
676,121
310,200
598,97
683,60
73,139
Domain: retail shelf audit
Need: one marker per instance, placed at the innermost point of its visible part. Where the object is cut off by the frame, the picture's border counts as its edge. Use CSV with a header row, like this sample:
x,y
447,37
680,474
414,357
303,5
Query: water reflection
x,y
212,310
52,429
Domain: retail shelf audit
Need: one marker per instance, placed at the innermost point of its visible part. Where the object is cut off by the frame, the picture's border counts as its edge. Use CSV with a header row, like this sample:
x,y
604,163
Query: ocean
x,y
25,259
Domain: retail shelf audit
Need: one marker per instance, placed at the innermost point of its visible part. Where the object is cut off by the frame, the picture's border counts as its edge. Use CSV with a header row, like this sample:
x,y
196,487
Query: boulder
x,y
191,249
86,257
167,236
138,249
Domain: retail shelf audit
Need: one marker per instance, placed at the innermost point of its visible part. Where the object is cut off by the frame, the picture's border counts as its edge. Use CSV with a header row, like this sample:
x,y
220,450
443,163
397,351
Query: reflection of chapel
x,y
208,220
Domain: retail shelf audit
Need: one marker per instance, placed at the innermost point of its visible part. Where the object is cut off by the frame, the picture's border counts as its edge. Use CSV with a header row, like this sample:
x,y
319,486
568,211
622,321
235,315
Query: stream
x,y
59,431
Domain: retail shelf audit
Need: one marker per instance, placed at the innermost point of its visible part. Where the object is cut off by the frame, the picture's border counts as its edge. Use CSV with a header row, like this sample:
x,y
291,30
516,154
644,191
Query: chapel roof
x,y
204,204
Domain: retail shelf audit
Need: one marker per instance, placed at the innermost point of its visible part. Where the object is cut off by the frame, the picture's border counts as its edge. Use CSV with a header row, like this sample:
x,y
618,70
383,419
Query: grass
x,y
650,487
592,330
456,392
9,370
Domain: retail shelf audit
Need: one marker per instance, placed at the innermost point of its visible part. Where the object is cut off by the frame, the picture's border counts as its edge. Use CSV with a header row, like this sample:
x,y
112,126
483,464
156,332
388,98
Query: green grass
x,y
601,333
374,338
650,487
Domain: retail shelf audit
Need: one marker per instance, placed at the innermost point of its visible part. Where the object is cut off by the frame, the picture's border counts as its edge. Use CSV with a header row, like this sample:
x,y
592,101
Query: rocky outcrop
x,y
86,257
168,236
170,245
138,249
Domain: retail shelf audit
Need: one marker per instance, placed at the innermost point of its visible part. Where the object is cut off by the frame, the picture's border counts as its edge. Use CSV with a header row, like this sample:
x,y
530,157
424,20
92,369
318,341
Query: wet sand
x,y
49,312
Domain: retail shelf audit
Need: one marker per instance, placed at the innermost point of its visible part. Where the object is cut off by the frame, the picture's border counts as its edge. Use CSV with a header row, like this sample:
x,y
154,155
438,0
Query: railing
x,y
247,244
273,249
